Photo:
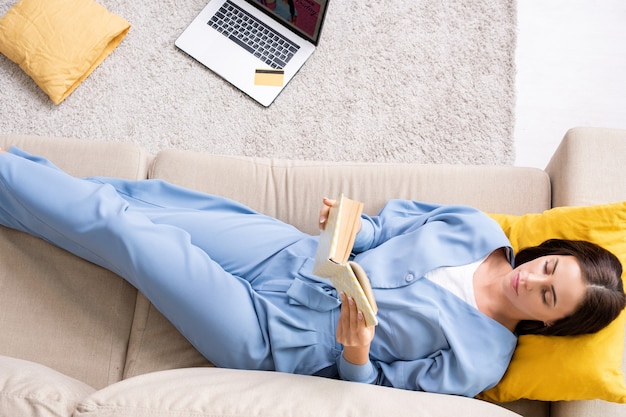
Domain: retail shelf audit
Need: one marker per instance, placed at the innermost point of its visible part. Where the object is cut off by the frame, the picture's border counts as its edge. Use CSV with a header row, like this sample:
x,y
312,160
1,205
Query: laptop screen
x,y
303,16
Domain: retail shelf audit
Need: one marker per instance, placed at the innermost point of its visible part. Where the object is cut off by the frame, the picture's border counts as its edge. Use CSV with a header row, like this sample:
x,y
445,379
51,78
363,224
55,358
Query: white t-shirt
x,y
459,280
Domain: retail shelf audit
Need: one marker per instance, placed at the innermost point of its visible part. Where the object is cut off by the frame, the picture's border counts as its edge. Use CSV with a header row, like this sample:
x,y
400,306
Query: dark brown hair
x,y
604,299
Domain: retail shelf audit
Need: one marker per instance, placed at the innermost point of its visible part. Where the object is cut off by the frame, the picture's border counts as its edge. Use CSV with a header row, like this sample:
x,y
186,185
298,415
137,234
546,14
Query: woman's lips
x,y
515,283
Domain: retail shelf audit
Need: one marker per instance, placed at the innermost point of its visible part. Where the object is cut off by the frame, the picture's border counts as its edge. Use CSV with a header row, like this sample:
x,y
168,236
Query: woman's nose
x,y
534,280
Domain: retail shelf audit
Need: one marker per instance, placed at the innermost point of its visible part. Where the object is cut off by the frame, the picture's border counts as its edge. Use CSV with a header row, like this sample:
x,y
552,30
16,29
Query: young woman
x,y
239,286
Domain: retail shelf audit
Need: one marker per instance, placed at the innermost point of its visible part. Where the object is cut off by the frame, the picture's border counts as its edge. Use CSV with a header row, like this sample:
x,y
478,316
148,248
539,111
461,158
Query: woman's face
x,y
546,289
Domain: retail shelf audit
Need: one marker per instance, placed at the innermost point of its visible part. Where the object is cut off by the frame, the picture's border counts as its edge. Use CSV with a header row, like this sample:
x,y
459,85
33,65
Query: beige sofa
x,y
78,340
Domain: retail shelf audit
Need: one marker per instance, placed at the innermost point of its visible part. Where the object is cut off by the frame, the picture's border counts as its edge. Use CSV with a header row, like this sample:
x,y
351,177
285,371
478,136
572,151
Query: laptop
x,y
256,45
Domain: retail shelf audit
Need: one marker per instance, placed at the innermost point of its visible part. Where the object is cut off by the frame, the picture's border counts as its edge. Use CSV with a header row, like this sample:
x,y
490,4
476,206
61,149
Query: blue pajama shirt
x,y
238,284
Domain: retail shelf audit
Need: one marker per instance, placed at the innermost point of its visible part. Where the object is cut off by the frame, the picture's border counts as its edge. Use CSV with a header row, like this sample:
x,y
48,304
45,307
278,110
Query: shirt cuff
x,y
364,237
357,373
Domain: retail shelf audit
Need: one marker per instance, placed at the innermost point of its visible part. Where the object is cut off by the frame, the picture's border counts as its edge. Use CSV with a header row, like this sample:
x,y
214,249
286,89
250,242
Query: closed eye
x,y
552,290
556,263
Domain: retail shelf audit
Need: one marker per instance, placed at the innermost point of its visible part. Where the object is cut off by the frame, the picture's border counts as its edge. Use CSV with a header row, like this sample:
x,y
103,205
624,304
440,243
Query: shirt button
x,y
409,278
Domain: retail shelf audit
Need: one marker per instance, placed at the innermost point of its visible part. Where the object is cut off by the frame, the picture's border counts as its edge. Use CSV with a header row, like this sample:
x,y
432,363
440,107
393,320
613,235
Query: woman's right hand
x,y
353,333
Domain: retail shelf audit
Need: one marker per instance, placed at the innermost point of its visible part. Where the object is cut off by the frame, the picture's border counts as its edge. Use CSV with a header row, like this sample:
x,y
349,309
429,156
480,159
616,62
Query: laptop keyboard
x,y
253,35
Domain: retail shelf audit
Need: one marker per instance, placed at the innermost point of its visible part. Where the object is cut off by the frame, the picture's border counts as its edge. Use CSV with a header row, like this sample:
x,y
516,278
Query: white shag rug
x,y
429,81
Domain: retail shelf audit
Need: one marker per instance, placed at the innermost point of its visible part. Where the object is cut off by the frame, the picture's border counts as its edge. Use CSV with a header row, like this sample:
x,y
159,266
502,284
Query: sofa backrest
x,y
292,190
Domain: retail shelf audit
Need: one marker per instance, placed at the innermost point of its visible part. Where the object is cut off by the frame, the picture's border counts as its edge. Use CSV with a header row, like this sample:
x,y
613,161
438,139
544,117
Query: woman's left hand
x,y
327,203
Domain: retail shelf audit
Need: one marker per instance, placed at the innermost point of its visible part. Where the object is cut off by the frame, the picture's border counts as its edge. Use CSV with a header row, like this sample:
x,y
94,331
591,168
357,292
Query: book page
x,y
345,281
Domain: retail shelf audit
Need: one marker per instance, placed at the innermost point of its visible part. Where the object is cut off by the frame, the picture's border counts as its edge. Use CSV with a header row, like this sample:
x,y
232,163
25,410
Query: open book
x,y
331,259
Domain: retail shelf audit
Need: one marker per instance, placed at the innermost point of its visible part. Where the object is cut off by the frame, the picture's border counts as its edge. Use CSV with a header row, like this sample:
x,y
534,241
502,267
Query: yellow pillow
x,y
567,368
58,43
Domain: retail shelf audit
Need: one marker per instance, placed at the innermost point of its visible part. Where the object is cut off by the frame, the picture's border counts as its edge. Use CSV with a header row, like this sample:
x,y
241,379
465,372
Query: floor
x,y
571,63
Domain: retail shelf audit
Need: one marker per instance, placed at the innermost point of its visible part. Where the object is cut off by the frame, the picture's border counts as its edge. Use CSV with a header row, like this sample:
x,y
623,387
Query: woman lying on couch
x,y
239,285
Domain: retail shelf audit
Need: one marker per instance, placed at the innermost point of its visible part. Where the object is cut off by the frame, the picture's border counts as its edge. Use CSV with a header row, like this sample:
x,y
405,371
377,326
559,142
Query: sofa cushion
x,y
52,302
214,392
292,191
156,345
54,310
30,389
574,368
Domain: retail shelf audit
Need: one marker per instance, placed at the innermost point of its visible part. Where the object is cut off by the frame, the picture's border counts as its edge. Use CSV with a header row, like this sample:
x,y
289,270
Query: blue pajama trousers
x,y
236,283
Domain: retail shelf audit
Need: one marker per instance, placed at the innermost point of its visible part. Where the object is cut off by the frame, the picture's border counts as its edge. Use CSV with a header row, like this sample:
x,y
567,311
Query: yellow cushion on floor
x,y
58,43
